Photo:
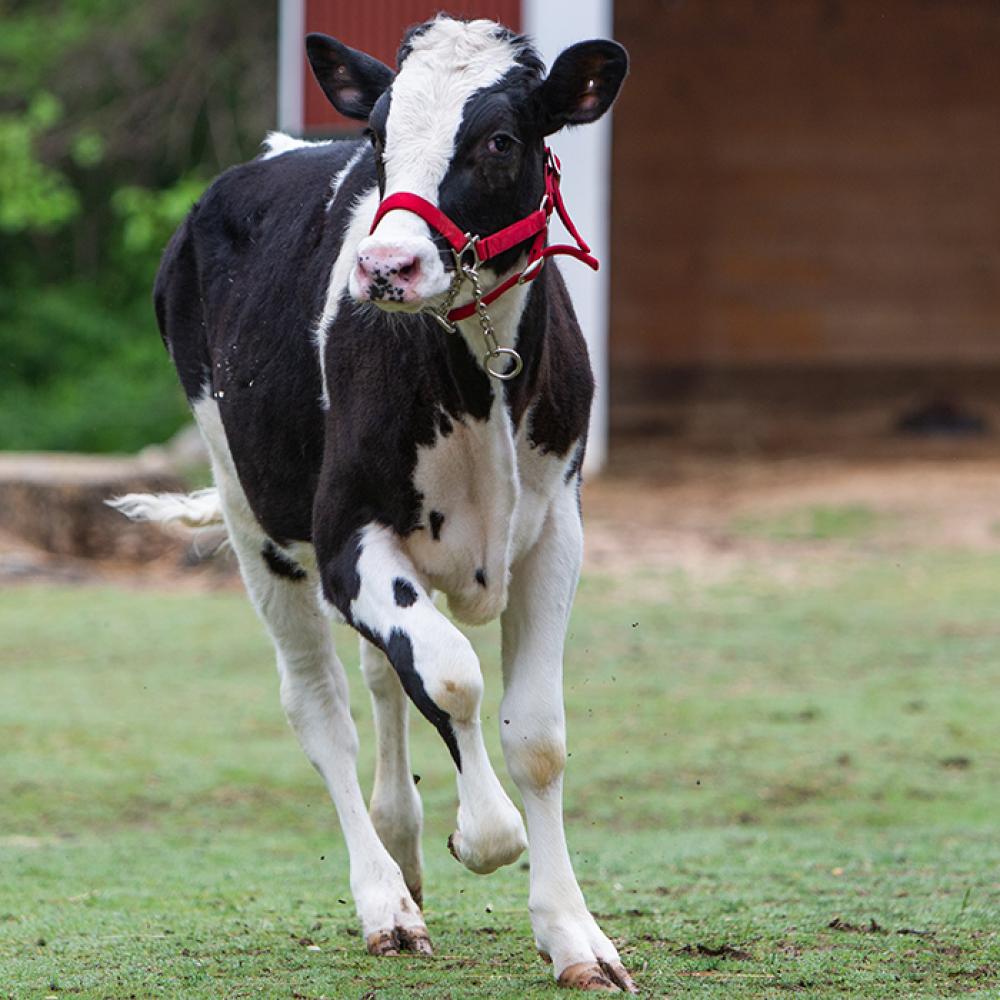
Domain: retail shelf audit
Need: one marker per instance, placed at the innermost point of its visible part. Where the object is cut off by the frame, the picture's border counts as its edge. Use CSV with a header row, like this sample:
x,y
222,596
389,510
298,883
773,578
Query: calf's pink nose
x,y
388,272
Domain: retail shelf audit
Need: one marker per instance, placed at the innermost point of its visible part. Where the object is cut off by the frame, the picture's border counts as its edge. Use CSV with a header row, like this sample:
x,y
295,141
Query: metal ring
x,y
503,376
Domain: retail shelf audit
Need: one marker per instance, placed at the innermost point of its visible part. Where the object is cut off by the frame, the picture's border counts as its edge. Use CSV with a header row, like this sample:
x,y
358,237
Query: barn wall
x,y
807,182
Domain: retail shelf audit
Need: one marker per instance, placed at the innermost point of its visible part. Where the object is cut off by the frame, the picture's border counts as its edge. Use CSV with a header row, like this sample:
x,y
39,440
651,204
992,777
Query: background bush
x,y
113,117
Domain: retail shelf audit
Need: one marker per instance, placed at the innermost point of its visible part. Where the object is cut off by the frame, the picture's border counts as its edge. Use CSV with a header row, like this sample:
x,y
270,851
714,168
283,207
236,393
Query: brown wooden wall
x,y
807,182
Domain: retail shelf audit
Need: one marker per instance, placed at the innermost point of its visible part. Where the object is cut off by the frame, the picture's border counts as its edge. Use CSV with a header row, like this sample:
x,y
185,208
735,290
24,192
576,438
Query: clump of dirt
x,y
956,763
872,927
722,951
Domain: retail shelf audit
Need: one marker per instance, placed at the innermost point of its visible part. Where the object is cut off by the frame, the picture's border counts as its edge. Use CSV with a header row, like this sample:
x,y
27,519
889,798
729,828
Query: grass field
x,y
776,788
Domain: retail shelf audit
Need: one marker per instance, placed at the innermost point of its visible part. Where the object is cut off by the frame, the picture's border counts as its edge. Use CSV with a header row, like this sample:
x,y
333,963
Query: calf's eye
x,y
500,144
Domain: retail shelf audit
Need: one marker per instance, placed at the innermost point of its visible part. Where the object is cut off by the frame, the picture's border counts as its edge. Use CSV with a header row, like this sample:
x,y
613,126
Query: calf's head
x,y
462,123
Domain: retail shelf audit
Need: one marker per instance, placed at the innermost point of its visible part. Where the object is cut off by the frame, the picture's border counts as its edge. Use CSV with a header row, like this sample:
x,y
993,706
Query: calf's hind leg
x,y
314,695
395,805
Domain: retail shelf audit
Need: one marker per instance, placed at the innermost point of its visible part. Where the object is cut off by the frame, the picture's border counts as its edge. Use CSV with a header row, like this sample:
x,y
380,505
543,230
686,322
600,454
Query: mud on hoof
x,y
396,940
598,977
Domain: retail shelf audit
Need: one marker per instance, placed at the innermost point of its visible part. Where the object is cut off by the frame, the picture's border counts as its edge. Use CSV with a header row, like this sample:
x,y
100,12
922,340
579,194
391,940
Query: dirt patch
x,y
664,505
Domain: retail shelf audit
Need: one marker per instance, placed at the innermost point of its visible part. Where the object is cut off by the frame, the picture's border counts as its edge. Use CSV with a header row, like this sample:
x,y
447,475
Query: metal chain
x,y
465,271
494,350
440,313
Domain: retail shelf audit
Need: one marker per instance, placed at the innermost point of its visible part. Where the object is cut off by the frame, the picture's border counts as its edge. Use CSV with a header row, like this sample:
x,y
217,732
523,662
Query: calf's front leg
x,y
533,733
375,585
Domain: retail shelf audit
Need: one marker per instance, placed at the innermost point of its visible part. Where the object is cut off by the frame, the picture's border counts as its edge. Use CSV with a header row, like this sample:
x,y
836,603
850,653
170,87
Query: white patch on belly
x,y
493,491
469,477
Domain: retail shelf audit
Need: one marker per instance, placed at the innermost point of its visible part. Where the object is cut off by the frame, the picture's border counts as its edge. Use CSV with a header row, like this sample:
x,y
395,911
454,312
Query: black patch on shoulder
x,y
403,592
280,564
481,577
437,520
399,649
556,387
445,426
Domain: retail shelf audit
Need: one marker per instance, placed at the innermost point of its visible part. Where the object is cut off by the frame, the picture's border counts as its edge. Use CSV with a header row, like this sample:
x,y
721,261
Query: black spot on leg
x,y
399,649
403,592
280,564
481,577
437,520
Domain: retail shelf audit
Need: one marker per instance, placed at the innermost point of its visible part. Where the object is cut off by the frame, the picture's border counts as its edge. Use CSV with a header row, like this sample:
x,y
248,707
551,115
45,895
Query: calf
x,y
395,407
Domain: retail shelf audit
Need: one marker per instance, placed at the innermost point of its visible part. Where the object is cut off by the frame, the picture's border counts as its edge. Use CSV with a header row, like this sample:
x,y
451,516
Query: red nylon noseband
x,y
533,227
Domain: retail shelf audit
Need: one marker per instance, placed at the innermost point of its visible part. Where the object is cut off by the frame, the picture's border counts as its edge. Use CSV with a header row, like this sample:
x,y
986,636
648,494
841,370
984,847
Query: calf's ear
x,y
352,80
582,84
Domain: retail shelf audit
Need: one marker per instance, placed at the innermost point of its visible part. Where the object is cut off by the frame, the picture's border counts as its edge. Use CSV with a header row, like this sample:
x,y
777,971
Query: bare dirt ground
x,y
666,505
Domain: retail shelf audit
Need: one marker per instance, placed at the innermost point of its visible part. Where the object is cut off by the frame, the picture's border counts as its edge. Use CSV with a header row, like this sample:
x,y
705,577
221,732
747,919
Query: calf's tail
x,y
200,509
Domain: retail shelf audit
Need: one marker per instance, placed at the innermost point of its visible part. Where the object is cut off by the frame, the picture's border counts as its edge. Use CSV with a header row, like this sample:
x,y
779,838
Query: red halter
x,y
533,227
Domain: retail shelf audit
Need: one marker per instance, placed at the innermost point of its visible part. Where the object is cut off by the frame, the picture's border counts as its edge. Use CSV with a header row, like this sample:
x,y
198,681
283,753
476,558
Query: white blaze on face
x,y
446,65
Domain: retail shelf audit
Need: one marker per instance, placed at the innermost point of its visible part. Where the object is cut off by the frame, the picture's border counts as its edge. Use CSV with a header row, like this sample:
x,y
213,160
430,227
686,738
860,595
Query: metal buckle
x,y
531,271
471,246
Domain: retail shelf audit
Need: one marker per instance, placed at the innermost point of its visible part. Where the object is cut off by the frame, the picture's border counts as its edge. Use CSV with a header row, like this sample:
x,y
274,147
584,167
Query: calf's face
x,y
462,124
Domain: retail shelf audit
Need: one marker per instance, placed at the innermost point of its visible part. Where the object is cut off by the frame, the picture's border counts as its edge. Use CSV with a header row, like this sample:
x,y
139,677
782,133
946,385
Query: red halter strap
x,y
533,227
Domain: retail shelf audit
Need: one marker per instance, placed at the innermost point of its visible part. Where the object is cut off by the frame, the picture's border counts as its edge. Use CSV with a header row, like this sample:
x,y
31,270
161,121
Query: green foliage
x,y
748,764
112,117
149,217
82,371
79,376
87,149
32,195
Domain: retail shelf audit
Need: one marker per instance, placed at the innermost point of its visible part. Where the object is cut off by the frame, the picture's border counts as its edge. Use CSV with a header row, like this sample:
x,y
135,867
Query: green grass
x,y
749,763
852,521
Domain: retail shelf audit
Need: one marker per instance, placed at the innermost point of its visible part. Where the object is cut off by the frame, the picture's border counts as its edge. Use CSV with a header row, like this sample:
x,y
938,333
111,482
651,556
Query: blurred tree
x,y
113,116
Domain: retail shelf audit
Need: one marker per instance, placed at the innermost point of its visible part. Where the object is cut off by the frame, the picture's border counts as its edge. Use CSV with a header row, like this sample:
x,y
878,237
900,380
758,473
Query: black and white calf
x,y
364,457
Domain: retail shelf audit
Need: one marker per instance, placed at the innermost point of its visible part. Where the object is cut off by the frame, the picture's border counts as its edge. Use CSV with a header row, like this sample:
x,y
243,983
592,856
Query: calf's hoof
x,y
598,977
490,855
396,940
